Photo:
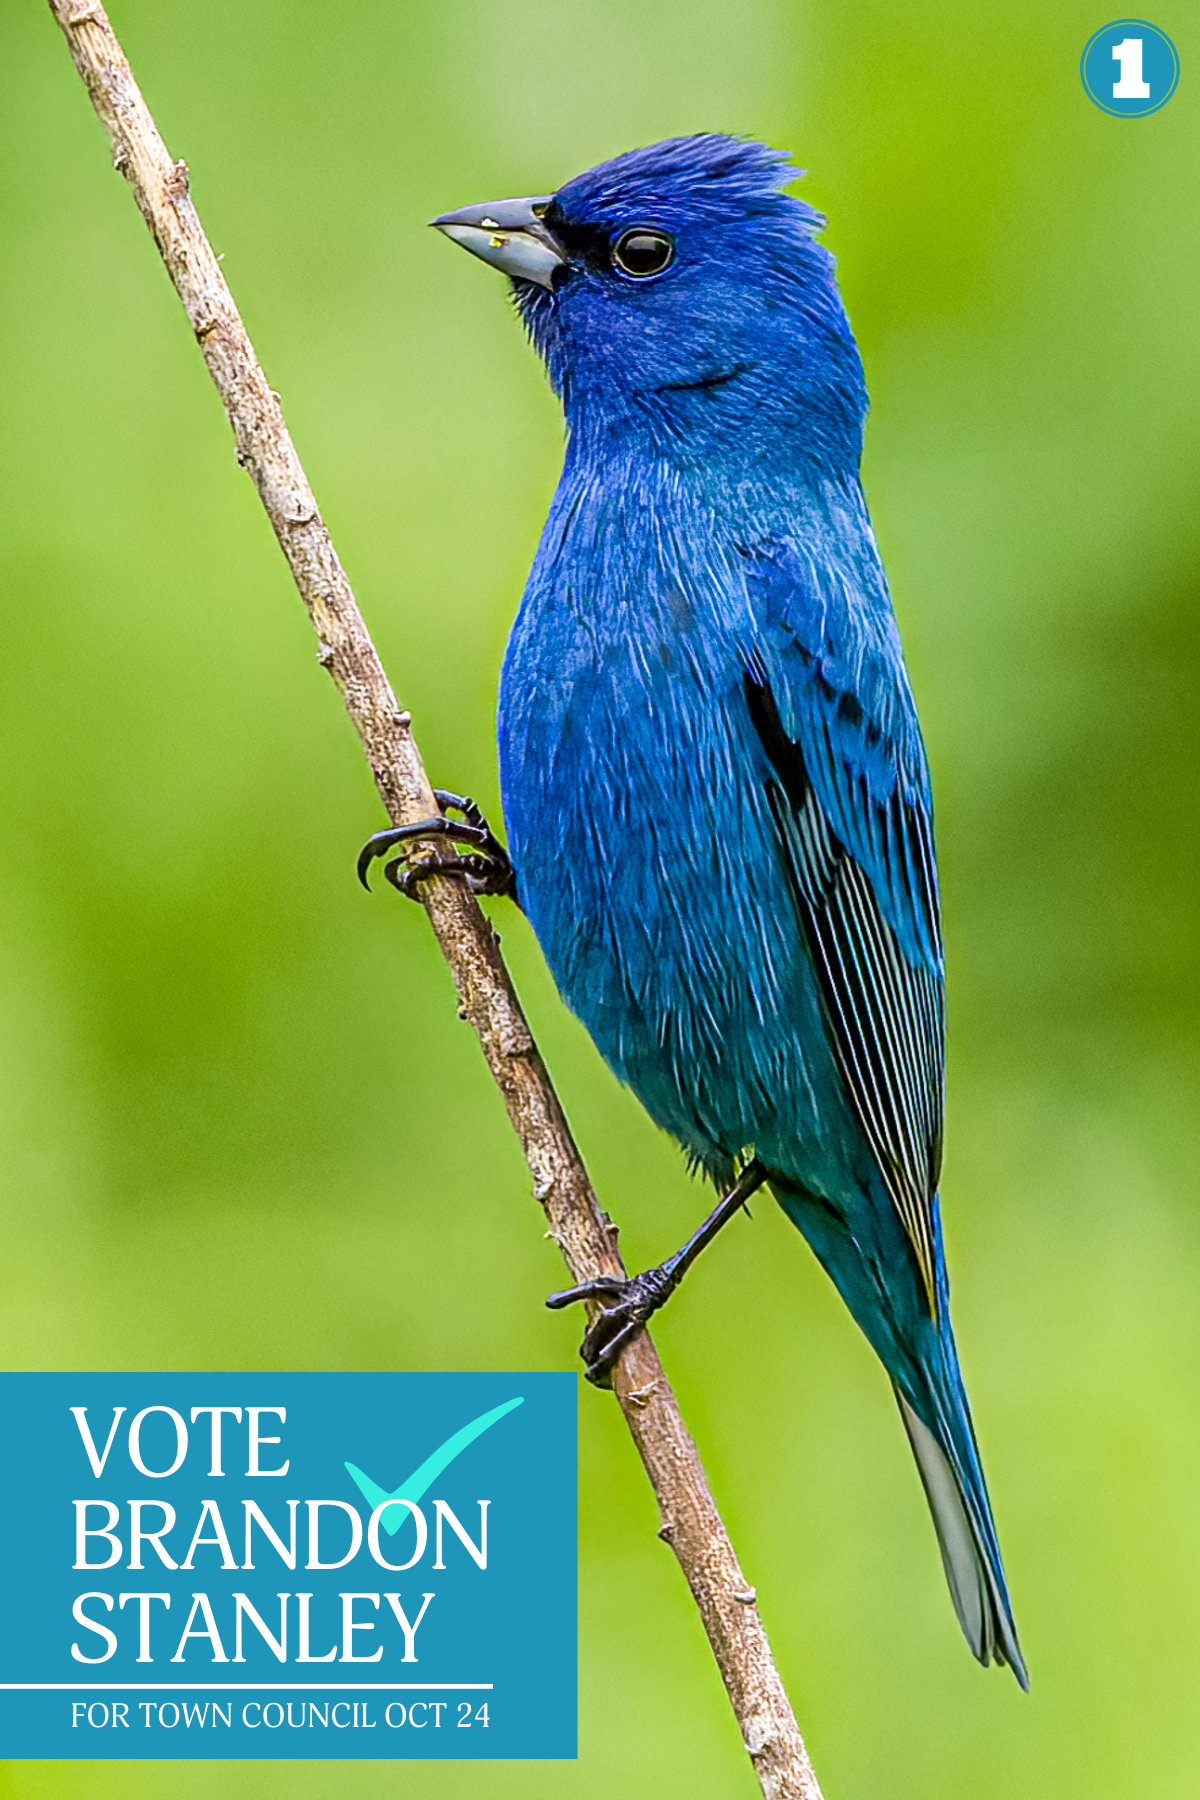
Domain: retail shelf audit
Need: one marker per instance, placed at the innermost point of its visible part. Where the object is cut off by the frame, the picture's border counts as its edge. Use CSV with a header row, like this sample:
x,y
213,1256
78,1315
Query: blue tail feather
x,y
939,1428
919,1354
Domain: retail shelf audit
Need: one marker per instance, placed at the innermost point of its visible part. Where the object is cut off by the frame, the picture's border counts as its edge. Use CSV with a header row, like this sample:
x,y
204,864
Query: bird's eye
x,y
642,252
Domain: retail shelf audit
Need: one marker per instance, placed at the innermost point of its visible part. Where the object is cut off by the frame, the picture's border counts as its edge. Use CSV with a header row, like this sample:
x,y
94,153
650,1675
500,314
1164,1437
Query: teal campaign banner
x,y
288,1565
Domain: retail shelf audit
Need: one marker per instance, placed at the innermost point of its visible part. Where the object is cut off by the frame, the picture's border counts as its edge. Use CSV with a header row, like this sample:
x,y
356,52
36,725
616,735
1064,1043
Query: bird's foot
x,y
633,1301
630,1304
487,869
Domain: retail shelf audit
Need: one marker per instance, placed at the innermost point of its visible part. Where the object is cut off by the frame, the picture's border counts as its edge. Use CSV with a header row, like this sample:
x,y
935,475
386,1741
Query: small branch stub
x,y
692,1526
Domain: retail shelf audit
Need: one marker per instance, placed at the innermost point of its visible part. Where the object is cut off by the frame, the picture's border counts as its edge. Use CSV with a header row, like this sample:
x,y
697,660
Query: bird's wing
x,y
829,697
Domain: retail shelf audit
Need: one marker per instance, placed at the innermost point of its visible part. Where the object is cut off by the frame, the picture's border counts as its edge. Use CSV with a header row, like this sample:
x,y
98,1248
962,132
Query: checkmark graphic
x,y
423,1477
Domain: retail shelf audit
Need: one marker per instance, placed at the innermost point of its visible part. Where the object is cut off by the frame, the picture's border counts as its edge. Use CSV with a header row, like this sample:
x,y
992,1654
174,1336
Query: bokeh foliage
x,y
241,1124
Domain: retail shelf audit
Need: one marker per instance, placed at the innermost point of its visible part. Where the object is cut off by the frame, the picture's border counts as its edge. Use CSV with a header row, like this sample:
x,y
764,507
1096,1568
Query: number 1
x,y
1131,86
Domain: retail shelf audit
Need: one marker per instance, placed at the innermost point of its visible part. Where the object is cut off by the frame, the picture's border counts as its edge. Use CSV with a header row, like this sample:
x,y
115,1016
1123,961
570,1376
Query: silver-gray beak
x,y
510,235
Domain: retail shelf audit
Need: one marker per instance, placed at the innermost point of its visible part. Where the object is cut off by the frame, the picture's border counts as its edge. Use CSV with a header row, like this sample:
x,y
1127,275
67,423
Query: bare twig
x,y
691,1524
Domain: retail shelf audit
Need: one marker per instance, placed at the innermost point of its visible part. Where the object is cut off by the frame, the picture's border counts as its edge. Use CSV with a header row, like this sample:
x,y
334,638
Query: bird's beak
x,y
510,235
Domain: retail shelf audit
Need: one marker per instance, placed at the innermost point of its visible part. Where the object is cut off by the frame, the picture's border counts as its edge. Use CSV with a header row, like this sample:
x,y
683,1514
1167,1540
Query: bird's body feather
x,y
714,784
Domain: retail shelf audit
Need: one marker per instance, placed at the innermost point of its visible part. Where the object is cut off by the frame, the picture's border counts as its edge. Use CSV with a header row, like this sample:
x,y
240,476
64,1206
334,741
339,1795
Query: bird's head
x,y
680,299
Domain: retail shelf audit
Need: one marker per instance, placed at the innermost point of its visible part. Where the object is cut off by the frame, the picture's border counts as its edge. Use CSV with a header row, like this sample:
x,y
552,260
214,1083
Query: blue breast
x,y
648,859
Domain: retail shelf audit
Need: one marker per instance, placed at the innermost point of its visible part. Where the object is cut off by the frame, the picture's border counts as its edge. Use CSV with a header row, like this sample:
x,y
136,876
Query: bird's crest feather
x,y
709,177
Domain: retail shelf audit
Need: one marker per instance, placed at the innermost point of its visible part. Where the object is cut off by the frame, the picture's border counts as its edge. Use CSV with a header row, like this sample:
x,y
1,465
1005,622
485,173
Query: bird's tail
x,y
937,1419
918,1351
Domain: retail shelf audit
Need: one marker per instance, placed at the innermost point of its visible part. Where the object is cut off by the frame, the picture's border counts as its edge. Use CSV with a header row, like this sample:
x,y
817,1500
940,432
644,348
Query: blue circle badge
x,y
1130,68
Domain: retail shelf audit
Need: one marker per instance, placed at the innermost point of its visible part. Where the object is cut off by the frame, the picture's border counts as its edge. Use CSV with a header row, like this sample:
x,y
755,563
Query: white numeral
x,y
1131,86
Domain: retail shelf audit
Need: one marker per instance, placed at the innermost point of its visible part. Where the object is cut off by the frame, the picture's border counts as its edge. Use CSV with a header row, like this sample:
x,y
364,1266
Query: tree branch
x,y
691,1524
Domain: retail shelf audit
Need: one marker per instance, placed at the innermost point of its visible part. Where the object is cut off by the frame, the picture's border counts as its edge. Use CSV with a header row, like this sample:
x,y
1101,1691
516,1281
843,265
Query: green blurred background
x,y
242,1126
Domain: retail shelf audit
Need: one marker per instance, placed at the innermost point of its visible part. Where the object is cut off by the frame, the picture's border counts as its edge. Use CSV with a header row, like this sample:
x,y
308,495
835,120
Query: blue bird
x,y
714,786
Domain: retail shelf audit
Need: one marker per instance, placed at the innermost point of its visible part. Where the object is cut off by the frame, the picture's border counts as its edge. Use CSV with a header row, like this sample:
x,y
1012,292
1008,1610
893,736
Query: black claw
x,y
603,1284
487,871
616,1325
483,875
462,803
366,857
633,1302
401,876
599,1369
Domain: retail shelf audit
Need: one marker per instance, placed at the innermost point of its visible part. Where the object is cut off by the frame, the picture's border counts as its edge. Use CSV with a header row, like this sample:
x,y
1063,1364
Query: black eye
x,y
643,252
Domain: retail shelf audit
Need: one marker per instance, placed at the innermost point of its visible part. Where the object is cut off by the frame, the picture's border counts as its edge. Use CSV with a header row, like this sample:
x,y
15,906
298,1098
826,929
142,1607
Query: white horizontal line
x,y
243,1687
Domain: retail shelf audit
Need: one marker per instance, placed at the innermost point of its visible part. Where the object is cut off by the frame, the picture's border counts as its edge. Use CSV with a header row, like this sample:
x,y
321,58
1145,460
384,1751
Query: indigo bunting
x,y
715,791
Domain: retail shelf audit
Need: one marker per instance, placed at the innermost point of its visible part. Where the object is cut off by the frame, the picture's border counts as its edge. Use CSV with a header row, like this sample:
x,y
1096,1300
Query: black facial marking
x,y
589,244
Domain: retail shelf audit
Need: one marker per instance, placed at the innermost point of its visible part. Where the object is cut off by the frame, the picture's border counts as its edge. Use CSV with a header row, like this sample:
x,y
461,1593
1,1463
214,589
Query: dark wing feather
x,y
883,1001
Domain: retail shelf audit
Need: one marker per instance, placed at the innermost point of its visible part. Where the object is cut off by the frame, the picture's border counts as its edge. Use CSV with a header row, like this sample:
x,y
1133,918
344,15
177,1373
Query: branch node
x,y
177,181
747,1596
640,1397
758,1733
542,1170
